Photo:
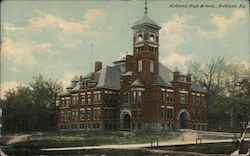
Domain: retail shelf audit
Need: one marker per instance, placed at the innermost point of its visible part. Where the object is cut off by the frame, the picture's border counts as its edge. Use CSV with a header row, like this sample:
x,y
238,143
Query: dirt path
x,y
18,138
134,146
1,153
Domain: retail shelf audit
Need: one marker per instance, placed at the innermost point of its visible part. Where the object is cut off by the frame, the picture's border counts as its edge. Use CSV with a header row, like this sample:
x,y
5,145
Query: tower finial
x,y
146,8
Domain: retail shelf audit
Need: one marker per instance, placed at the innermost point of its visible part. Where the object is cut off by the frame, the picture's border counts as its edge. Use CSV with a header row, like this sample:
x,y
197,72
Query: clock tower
x,y
146,49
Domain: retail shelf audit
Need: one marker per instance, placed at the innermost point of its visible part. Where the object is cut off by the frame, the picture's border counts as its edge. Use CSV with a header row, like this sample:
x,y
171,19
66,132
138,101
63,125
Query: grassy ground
x,y
84,138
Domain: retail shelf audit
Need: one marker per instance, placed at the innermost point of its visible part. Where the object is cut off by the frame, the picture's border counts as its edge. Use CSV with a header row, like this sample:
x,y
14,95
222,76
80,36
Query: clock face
x,y
140,38
152,38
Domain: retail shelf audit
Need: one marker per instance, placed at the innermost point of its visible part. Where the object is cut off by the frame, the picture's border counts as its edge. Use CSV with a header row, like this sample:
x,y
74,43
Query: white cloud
x,y
223,25
176,24
10,27
175,59
45,20
20,52
7,86
173,32
68,42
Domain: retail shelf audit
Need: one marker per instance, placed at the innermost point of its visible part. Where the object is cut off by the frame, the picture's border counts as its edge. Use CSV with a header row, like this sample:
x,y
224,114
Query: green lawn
x,y
84,138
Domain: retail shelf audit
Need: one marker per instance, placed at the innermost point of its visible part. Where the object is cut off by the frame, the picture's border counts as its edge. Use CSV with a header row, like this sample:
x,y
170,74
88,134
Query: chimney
x,y
98,66
129,62
189,78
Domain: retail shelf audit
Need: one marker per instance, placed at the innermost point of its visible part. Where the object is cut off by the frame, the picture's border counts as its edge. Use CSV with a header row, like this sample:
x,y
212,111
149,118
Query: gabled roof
x,y
77,87
159,81
137,82
75,79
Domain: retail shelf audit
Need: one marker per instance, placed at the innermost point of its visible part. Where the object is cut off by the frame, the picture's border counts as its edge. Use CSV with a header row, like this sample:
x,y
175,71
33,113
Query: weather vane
x,y
146,8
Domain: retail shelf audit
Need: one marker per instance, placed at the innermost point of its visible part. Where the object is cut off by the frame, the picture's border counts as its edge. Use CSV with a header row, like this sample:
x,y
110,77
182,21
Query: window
x,y
194,99
67,103
182,79
88,113
62,116
170,113
139,126
98,112
126,97
140,37
97,97
134,95
151,66
74,114
197,100
139,95
139,65
152,38
89,97
202,100
83,98
183,98
170,96
94,114
82,114
162,112
74,99
163,96
139,114
105,113
167,96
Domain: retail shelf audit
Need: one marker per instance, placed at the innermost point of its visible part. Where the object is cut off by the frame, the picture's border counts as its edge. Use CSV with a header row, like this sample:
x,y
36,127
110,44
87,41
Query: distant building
x,y
137,92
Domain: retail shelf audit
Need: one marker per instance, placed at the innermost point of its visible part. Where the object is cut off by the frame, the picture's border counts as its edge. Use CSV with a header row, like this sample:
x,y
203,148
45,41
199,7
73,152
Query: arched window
x,y
152,38
140,37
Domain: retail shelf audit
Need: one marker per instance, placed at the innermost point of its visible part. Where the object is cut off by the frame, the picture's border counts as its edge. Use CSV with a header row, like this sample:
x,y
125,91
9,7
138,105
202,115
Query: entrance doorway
x,y
126,121
184,120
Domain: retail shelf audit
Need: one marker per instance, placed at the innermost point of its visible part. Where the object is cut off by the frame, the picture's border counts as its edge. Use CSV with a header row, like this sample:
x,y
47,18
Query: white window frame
x,y
139,64
151,65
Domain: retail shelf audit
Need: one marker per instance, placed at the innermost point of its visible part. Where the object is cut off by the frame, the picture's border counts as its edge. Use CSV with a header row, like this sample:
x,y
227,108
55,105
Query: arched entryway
x,y
126,121
183,119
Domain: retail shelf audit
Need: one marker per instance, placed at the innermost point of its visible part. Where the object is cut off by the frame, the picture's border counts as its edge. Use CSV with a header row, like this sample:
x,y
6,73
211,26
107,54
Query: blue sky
x,y
54,37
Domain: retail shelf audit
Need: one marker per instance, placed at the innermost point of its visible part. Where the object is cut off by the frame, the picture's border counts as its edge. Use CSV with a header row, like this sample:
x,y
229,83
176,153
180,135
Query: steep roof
x,y
159,81
195,86
137,82
146,21
166,74
77,87
75,79
109,78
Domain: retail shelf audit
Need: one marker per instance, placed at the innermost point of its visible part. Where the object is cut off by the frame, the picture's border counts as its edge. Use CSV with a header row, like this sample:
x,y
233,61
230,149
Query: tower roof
x,y
146,20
